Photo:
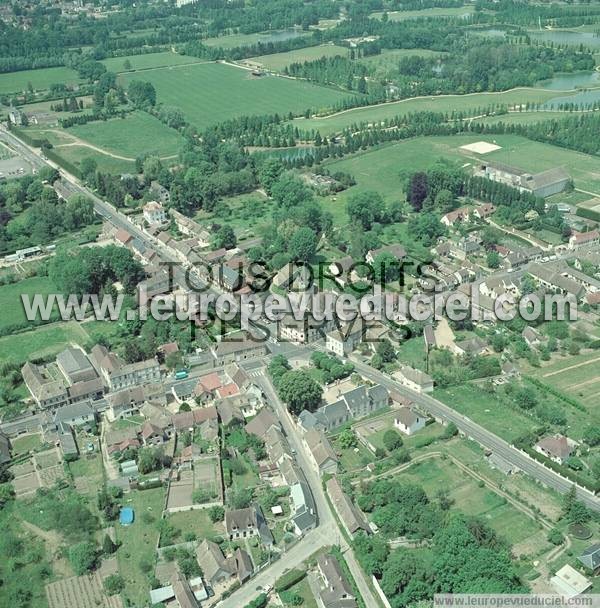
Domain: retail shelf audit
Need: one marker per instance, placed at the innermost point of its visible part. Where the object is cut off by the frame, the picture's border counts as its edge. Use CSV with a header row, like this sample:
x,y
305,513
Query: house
x,y
157,283
475,346
304,512
305,330
245,523
292,276
119,375
590,557
341,270
398,251
408,421
556,448
343,341
456,216
484,211
322,455
542,184
75,414
350,515
532,336
216,569
429,337
125,403
15,116
335,591
414,379
570,583
510,370
236,350
262,423
154,213
121,439
152,434
160,192
584,239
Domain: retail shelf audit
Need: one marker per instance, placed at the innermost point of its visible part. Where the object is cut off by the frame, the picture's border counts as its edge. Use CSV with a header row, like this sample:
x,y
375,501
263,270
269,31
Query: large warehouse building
x,y
541,184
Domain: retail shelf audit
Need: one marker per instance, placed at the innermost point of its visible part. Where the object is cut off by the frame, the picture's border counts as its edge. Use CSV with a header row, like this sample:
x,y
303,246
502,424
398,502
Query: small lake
x,y
568,82
561,37
584,98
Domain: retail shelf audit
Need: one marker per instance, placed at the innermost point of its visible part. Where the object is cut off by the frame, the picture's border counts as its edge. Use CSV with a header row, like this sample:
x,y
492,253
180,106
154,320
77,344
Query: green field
x,y
44,341
10,298
148,61
16,82
469,498
107,164
441,103
524,118
278,61
212,93
461,11
138,132
379,169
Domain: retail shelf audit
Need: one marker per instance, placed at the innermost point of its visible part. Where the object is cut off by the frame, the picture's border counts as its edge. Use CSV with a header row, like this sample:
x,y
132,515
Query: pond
x,y
567,37
583,99
569,82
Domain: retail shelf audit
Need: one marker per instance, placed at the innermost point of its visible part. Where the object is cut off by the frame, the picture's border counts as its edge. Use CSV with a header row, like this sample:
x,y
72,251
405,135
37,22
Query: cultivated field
x,y
212,93
442,103
16,82
80,592
278,61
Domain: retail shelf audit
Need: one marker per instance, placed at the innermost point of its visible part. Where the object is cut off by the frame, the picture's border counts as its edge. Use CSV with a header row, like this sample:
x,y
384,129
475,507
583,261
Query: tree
x,y
417,190
149,459
289,191
392,440
7,493
83,557
114,584
216,513
365,208
269,172
299,391
555,536
241,498
347,439
493,259
127,65
108,547
91,70
386,351
141,94
225,237
303,244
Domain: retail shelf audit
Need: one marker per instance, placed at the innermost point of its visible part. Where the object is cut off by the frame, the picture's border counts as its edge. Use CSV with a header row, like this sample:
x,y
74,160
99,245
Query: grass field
x,y
379,169
10,298
138,543
147,61
278,61
212,93
510,523
138,132
441,103
198,522
577,377
43,341
461,11
15,82
108,164
524,118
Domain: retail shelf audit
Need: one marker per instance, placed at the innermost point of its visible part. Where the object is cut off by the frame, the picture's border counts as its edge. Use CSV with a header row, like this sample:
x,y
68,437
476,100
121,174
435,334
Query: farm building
x,y
541,184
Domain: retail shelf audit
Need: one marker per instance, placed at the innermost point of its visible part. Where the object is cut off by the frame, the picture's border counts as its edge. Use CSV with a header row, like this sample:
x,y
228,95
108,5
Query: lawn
x,y
138,542
441,103
15,82
10,298
147,61
198,522
212,93
487,410
41,342
472,499
107,164
26,443
303,590
278,61
138,132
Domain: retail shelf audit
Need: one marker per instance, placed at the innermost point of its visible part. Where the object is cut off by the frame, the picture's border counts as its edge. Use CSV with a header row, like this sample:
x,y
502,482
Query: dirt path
x,y
566,369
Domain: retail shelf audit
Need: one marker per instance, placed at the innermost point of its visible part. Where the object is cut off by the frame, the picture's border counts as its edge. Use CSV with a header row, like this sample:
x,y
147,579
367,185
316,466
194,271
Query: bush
x,y
289,579
555,537
114,584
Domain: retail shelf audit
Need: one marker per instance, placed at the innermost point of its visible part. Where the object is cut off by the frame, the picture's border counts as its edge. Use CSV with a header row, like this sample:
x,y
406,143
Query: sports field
x,y
442,103
136,133
147,61
380,169
212,93
15,82
278,61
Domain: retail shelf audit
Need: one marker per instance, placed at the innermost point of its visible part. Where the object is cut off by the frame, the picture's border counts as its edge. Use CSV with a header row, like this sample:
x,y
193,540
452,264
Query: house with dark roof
x,y
335,591
350,515
409,421
245,523
304,511
590,557
262,422
322,454
396,250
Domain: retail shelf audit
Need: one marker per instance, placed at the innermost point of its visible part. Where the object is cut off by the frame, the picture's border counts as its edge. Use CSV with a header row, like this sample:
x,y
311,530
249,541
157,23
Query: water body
x,y
573,38
568,82
583,99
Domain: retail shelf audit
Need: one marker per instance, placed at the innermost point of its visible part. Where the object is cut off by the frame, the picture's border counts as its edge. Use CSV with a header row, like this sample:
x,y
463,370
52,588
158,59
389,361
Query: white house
x,y
408,421
154,213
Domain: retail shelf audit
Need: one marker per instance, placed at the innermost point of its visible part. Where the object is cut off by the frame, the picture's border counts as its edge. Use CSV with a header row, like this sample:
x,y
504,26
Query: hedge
x,y
558,394
289,579
62,162
259,602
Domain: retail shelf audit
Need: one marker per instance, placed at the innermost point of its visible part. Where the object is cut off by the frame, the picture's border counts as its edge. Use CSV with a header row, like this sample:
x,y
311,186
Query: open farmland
x,y
279,61
15,82
212,93
442,103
